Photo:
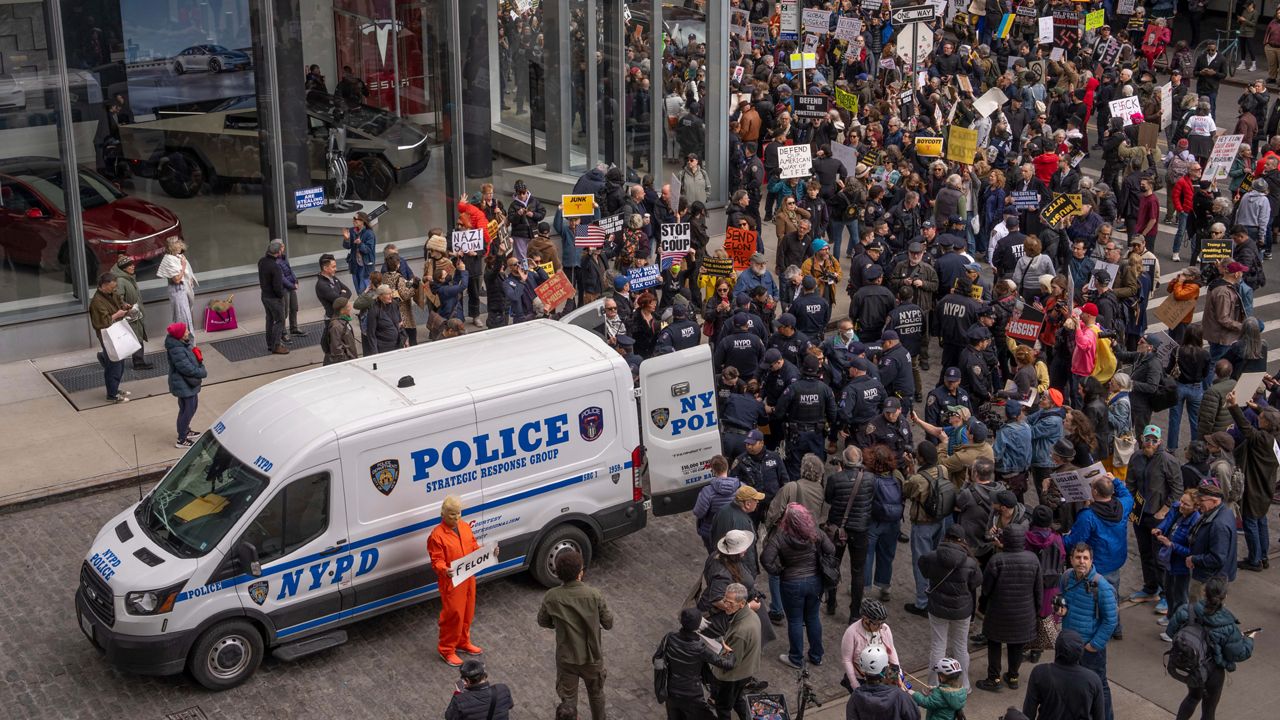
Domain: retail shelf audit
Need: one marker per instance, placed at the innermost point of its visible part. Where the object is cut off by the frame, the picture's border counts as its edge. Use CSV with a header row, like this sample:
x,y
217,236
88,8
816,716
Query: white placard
x,y
1224,152
810,43
846,155
1125,107
990,101
468,565
676,189
795,161
468,240
1075,484
1057,54
848,29
1046,31
675,238
737,73
1247,386
1166,105
817,21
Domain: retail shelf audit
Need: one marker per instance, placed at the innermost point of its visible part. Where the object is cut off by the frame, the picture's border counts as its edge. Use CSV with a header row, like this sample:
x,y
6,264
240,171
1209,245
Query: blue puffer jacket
x,y
1046,429
185,370
1013,448
1091,607
1177,528
715,495
1105,527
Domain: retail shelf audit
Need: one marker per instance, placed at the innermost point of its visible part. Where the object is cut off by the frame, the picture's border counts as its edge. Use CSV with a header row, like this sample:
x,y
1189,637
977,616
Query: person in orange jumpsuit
x,y
450,540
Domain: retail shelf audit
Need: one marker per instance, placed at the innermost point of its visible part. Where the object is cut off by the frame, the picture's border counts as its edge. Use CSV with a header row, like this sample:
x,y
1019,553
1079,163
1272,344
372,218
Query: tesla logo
x,y
383,28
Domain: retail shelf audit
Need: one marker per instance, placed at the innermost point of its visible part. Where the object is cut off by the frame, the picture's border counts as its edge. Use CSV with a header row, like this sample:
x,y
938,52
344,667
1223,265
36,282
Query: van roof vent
x,y
406,381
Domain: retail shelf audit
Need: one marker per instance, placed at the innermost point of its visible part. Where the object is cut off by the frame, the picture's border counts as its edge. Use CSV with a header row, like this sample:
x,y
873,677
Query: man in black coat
x,y
328,286
849,494
687,658
271,283
478,699
1062,690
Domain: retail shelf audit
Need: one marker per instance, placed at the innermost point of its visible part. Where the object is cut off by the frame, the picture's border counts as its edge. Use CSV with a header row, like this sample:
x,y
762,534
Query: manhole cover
x,y
191,713
87,377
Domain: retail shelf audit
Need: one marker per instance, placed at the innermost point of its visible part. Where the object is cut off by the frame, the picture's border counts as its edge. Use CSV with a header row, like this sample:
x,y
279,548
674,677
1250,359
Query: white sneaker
x,y
477,321
1165,637
1176,258
1241,66
118,398
1162,621
1253,66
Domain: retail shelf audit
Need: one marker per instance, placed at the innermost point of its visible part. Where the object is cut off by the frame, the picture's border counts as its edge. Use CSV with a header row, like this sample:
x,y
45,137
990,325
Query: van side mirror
x,y
247,554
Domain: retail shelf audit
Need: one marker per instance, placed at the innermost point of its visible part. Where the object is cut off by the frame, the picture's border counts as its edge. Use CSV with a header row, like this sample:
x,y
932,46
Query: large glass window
x,y
35,257
294,517
684,74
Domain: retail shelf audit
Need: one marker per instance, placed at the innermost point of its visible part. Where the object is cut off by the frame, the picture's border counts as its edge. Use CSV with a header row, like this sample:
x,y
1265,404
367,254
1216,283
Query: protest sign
x,y
1026,327
1025,200
962,144
1125,108
1126,7
847,100
966,85
990,102
468,565
1109,53
1148,135
816,21
872,5
1060,207
1172,311
1075,484
810,106
759,34
674,239
1223,155
578,205
1095,19
1066,28
716,267
738,73
308,198
676,188
929,146
1248,385
739,22
612,224
1045,34
1057,54
739,245
810,47
643,278
468,240
847,156
555,290
1166,105
848,29
797,161
804,61
1215,250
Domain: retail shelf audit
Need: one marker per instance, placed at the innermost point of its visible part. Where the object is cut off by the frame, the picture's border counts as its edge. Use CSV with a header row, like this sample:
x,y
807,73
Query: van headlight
x,y
152,602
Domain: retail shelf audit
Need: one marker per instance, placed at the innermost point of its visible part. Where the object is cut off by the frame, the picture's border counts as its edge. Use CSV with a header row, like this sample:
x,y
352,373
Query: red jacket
x,y
1046,165
1183,194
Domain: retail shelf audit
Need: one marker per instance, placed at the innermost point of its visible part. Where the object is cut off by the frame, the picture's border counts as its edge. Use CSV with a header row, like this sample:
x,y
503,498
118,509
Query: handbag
x,y
829,568
709,328
119,340
660,670
1125,446
839,536
1047,630
220,315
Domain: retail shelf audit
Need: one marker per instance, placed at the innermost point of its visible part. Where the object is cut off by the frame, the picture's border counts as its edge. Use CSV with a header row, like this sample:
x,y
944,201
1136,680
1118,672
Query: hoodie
x,y
715,495
1103,526
880,702
1062,690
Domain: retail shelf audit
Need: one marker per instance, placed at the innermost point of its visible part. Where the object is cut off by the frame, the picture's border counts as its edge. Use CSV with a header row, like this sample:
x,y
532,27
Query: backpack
x,y
1050,565
1190,660
660,670
941,500
886,504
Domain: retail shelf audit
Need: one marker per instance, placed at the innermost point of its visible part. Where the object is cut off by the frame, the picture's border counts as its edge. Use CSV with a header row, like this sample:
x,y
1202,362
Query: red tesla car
x,y
33,220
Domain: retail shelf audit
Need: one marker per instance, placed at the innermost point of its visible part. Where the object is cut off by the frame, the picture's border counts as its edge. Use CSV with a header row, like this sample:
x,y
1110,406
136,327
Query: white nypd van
x,y
308,504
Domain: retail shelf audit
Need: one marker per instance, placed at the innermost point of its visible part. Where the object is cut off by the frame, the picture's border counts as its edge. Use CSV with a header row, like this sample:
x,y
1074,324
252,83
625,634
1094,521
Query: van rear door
x,y
679,426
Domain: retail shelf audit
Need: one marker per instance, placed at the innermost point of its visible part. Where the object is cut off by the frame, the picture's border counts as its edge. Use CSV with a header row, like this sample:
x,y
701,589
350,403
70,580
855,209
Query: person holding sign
x,y
449,541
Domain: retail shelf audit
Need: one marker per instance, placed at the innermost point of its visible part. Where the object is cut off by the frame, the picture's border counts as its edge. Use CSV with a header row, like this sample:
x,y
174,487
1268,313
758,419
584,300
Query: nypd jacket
x,y
895,372
812,313
765,472
1091,606
677,336
861,401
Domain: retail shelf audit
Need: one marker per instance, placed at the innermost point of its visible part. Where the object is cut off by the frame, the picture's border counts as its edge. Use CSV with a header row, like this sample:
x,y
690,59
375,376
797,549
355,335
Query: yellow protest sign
x,y
1078,199
847,100
1095,19
962,144
578,205
548,268
929,146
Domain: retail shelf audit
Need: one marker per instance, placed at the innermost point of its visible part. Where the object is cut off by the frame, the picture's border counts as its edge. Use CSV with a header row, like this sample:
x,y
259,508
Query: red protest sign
x,y
740,245
1025,327
555,290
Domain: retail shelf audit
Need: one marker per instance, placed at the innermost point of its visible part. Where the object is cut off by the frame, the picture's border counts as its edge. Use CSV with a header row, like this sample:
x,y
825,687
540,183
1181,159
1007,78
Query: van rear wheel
x,y
565,537
226,655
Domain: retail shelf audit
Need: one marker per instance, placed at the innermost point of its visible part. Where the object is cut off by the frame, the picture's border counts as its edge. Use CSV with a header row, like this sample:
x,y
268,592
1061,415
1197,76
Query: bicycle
x,y
1228,47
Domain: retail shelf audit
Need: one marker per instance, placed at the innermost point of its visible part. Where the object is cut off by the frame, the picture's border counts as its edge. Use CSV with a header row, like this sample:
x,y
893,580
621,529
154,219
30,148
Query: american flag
x,y
671,256
589,235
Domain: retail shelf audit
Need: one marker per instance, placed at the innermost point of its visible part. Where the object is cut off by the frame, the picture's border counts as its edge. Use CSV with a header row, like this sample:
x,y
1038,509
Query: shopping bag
x,y
218,320
119,341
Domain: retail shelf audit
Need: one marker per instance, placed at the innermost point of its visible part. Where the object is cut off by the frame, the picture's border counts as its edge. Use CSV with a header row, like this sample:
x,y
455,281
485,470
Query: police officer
x,y
950,263
811,311
862,262
857,349
895,369
891,428
956,314
627,349
907,319
762,469
789,341
755,323
975,373
743,412
741,348
806,409
862,397
681,334
987,318
870,306
776,375
948,394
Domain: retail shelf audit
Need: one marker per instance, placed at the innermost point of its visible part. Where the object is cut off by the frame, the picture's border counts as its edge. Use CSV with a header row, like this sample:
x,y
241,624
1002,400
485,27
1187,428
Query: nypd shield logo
x,y
384,475
660,416
591,423
258,591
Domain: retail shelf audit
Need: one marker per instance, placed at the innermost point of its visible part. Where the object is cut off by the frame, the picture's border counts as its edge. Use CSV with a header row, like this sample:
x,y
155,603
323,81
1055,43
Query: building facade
x,y
222,122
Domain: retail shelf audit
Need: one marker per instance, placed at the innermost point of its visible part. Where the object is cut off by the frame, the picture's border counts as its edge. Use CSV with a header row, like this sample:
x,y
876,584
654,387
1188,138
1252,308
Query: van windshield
x,y
200,499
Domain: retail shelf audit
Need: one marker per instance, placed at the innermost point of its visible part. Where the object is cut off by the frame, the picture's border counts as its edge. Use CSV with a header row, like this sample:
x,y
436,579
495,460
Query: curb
x,y
38,497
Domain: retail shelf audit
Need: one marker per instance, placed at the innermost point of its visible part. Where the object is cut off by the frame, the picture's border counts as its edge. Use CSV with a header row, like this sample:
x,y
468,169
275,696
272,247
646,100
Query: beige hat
x,y
736,542
746,492
437,243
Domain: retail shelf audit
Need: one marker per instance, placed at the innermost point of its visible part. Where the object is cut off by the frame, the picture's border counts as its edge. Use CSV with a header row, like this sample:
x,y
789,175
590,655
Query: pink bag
x,y
218,320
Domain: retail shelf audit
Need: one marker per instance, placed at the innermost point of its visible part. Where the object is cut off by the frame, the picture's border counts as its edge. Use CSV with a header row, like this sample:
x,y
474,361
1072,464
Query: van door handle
x,y
334,548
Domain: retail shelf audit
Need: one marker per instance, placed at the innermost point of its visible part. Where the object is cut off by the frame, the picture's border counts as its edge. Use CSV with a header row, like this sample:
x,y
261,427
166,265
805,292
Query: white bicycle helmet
x,y
873,660
947,666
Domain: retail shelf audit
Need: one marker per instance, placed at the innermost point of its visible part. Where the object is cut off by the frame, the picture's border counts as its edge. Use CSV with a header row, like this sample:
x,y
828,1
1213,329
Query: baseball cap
x,y
755,436
787,320
741,319
809,282
978,432
1103,277
951,373
889,335
680,312
955,220
927,224
1056,396
862,364
1089,309
620,282
1236,267
856,348
1012,409
892,403
1153,431
746,492
874,272
772,355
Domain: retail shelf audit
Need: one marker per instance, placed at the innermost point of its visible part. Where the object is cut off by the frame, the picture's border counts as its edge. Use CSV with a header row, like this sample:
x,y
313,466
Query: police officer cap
x,y
978,333
741,320
1102,276
875,246
927,224
892,403
472,669
955,220
873,272
787,320
772,355
625,341
915,247
862,364
809,282
986,311
620,282
1011,222
754,437
811,364
889,335
680,312
856,348
951,374
741,300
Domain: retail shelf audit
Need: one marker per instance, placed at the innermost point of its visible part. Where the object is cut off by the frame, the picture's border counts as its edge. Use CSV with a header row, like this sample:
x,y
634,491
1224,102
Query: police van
x,y
307,505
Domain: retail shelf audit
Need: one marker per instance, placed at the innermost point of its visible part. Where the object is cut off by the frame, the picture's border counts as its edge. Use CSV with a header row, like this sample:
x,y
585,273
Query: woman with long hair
x,y
1228,646
1055,314
644,325
1120,417
792,552
1078,430
1193,366
718,309
1249,353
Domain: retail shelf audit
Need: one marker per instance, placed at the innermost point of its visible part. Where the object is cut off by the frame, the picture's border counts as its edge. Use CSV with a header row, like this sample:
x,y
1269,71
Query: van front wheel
x,y
565,537
226,655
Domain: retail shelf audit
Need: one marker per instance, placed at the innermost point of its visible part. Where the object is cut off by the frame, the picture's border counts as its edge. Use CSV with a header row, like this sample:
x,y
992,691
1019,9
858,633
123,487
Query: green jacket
x,y
941,704
127,289
743,636
576,611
